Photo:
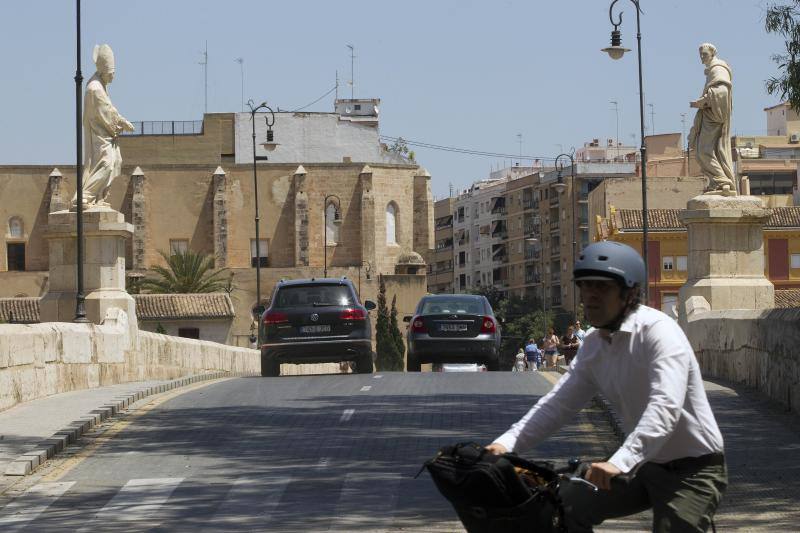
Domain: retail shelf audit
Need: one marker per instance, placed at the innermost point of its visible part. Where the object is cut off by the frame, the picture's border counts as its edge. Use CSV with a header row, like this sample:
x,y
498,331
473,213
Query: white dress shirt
x,y
649,374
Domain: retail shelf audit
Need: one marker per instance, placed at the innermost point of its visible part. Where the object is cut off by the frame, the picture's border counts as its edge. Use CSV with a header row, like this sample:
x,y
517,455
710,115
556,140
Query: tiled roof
x,y
784,217
657,219
19,310
667,219
183,306
787,298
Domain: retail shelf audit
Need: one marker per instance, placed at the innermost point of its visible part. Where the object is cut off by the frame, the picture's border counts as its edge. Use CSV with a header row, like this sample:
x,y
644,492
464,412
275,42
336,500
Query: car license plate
x,y
452,327
316,329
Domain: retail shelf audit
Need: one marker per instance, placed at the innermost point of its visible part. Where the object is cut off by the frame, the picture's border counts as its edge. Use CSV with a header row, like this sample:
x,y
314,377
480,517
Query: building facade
x,y
191,187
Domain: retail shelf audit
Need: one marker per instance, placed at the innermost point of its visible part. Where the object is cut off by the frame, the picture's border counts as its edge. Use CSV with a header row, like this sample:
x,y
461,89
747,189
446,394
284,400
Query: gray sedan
x,y
453,328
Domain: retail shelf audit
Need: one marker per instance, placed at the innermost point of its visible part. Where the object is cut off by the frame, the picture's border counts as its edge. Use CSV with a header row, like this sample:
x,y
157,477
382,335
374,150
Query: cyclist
x,y
642,362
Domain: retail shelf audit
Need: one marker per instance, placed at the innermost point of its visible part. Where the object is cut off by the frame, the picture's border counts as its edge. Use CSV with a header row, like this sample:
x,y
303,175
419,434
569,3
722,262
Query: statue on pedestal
x,y
102,124
710,135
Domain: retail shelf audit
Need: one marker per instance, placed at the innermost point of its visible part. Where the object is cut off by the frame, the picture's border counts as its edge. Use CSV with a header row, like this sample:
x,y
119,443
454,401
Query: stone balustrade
x,y
758,348
38,360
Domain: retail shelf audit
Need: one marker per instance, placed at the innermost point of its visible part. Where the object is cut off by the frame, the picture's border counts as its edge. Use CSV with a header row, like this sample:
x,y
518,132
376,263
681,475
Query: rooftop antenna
x,y
519,140
652,119
352,69
204,62
337,85
616,111
240,60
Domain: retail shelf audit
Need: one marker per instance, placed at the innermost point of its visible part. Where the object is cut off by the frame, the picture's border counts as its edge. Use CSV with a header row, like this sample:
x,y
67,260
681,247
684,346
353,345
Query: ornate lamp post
x,y
616,51
270,145
337,219
80,298
560,186
369,271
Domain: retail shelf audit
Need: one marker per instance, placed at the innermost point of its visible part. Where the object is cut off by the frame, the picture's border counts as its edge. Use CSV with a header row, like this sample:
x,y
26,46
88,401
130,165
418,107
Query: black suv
x,y
316,321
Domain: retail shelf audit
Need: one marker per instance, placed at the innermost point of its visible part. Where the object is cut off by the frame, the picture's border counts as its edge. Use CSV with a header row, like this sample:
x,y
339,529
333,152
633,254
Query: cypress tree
x,y
396,335
384,342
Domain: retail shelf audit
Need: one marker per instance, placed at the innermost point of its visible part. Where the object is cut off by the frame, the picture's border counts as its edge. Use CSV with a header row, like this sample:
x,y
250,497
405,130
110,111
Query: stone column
x,y
368,219
300,218
423,214
139,219
220,214
105,231
58,201
726,255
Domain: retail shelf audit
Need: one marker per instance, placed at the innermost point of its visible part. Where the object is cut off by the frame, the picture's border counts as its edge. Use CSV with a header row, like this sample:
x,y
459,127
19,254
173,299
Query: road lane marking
x,y
24,509
377,376
323,462
347,415
362,498
249,501
366,388
137,500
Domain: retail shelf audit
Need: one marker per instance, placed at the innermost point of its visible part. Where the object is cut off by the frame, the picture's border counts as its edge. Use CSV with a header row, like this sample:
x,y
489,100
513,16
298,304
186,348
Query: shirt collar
x,y
629,323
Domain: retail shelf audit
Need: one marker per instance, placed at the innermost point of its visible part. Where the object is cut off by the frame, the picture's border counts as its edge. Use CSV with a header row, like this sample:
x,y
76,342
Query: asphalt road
x,y
295,453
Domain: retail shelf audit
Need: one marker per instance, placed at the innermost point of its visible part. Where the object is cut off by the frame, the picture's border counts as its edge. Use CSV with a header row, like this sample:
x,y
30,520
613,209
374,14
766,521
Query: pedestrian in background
x,y
550,346
579,331
533,355
519,363
569,345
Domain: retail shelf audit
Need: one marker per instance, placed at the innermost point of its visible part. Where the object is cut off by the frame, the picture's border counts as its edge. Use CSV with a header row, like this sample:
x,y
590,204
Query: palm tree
x,y
186,272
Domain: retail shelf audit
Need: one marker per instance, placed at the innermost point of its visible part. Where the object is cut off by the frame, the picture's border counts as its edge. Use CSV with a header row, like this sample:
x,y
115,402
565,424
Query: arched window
x,y
332,225
391,223
15,228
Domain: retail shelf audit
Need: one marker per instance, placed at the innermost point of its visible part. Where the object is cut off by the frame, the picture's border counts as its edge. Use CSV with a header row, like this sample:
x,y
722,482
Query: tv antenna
x,y
204,62
352,70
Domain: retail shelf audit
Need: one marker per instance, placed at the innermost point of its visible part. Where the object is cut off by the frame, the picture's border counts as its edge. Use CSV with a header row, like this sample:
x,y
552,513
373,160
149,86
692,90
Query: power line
x,y
465,150
312,103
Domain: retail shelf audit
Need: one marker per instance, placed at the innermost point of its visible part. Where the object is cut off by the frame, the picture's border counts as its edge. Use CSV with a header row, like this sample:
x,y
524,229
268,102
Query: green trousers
x,y
683,498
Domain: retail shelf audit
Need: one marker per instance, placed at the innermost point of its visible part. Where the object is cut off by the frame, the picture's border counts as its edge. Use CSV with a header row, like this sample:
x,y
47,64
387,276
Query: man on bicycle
x,y
642,362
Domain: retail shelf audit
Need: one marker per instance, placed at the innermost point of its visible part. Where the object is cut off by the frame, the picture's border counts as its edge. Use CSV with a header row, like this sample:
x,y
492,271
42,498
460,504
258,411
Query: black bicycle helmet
x,y
610,260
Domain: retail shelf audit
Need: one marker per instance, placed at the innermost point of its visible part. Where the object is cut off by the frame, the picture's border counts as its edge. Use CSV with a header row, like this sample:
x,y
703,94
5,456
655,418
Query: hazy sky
x,y
462,73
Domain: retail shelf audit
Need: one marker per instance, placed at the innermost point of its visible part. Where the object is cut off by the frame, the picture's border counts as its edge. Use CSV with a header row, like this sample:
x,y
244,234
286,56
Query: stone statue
x,y
710,135
102,124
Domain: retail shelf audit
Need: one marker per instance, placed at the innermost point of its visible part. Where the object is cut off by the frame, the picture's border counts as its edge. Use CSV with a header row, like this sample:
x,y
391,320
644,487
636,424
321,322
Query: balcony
x,y
529,204
554,225
555,277
533,278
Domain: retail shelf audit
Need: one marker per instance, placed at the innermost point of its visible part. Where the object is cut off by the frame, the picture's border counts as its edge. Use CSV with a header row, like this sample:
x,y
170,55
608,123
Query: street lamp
x,y
616,51
337,219
369,271
270,145
560,186
80,298
534,240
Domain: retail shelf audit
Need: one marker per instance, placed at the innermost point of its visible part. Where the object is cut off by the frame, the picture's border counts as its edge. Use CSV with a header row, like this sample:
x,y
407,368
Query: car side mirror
x,y
407,318
369,305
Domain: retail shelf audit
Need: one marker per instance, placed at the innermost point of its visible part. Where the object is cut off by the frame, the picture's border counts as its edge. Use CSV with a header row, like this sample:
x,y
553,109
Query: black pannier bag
x,y
497,493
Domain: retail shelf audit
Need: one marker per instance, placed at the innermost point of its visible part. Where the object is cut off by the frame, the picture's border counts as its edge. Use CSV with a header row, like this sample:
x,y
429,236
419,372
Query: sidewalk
x,y
25,427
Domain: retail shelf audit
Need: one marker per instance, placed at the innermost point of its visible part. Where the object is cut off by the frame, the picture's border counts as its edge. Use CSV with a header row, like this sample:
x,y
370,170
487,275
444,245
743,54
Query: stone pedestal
x,y
105,232
726,255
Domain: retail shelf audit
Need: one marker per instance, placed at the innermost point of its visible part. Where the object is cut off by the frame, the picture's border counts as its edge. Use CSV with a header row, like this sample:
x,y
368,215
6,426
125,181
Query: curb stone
x,y
29,461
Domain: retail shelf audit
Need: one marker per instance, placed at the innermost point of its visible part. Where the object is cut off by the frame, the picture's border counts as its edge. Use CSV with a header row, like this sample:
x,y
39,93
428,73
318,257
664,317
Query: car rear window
x,y
311,295
471,306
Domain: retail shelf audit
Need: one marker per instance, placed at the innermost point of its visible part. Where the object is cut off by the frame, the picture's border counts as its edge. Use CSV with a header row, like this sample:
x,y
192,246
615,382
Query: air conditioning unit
x,y
794,138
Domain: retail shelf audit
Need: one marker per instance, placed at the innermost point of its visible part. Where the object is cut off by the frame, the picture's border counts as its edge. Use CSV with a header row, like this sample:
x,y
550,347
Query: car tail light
x,y
487,326
417,325
353,314
274,317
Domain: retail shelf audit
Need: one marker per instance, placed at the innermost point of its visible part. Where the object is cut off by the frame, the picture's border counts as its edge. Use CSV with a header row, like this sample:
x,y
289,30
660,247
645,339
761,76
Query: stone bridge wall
x,y
760,349
38,360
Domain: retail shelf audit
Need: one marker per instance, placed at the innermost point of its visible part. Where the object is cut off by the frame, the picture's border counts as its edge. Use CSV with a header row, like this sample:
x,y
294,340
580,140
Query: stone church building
x,y
190,186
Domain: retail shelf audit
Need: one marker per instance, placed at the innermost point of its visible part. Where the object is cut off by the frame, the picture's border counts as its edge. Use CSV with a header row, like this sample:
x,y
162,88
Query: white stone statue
x,y
102,124
710,135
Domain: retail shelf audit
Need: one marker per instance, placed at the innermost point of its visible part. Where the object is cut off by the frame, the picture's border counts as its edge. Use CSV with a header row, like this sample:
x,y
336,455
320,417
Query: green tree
x,y
784,20
160,329
395,329
492,294
388,357
186,272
